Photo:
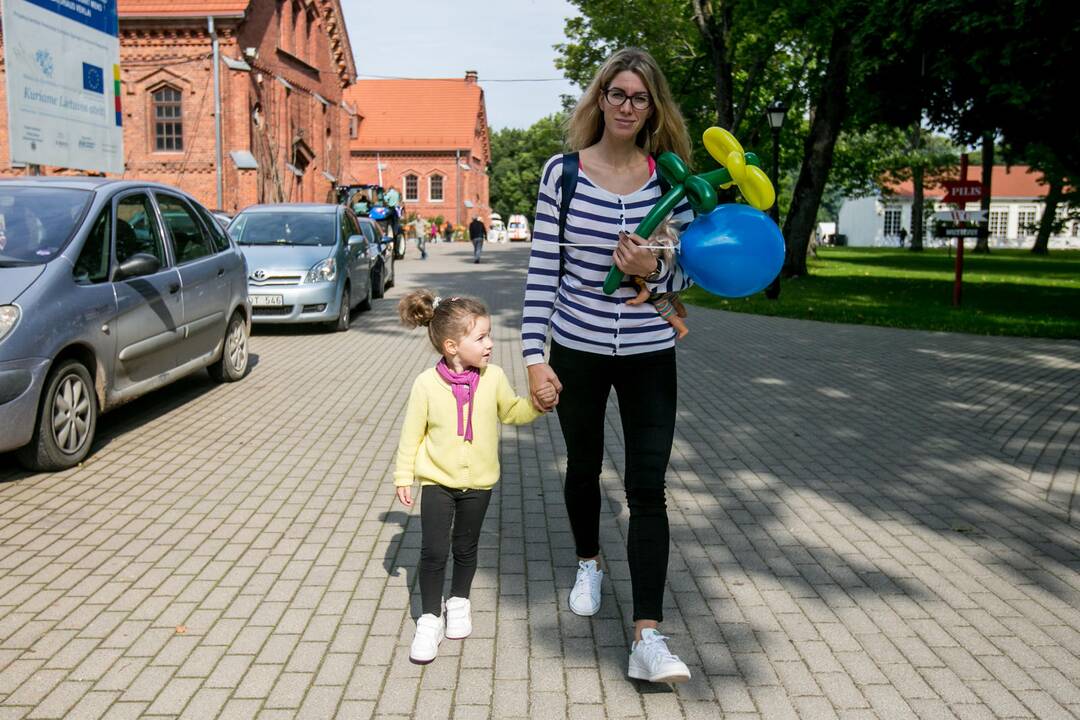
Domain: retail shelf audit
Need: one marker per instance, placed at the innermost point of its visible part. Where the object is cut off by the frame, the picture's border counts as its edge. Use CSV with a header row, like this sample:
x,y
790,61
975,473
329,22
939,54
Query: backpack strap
x,y
570,164
664,186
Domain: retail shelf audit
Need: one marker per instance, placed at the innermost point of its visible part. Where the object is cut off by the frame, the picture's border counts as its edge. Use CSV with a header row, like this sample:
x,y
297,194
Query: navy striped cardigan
x,y
573,304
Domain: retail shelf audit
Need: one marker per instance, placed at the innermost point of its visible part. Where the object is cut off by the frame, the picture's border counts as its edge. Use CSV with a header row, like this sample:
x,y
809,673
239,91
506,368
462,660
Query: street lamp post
x,y
775,113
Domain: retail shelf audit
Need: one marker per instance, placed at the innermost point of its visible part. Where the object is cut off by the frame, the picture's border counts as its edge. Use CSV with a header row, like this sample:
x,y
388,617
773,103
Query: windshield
x,y
284,228
36,222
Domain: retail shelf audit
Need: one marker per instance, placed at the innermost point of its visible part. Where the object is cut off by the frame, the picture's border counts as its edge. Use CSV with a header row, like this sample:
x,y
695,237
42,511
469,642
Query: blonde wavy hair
x,y
664,131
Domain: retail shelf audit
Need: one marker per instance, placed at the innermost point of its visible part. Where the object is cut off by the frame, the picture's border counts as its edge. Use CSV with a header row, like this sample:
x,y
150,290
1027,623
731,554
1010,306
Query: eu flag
x,y
93,78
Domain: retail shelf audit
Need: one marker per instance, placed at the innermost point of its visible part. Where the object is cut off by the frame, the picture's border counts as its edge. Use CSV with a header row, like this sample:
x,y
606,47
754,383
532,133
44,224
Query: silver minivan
x,y
308,262
108,289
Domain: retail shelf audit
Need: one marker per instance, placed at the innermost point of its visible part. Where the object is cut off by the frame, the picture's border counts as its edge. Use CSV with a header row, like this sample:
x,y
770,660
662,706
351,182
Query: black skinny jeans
x,y
647,390
440,508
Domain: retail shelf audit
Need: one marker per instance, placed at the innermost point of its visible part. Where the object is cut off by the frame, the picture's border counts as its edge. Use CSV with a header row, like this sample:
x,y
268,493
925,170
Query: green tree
x,y
725,60
1001,69
517,158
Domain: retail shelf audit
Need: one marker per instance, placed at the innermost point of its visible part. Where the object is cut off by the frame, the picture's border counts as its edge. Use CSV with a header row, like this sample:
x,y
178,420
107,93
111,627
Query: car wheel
x,y
377,283
393,277
66,421
345,313
365,305
233,363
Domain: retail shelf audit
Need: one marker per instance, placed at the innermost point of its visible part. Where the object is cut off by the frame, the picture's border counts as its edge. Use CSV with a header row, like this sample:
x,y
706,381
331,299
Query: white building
x,y
1016,208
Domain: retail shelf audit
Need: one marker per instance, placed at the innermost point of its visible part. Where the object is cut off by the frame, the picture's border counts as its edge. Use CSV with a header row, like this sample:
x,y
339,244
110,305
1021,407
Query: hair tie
x,y
436,302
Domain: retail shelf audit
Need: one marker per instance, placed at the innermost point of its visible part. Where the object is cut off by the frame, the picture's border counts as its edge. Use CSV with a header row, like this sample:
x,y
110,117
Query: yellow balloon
x,y
736,165
720,143
751,180
757,188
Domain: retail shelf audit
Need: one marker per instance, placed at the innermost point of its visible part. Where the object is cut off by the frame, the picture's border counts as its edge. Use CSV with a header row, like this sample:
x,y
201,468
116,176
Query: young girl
x,y
450,442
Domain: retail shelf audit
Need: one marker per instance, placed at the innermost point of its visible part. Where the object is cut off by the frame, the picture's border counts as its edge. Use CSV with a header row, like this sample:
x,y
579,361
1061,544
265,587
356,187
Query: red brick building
x,y
284,67
430,138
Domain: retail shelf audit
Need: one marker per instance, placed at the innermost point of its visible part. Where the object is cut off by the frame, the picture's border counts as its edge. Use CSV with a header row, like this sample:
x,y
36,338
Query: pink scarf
x,y
463,385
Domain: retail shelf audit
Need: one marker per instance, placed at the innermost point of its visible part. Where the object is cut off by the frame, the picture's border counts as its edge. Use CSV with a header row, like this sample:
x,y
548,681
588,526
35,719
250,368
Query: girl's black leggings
x,y
647,389
443,508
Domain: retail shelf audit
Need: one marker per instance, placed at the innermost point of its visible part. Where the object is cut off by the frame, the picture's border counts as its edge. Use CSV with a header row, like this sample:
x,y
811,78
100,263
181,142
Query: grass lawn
x,y
1009,292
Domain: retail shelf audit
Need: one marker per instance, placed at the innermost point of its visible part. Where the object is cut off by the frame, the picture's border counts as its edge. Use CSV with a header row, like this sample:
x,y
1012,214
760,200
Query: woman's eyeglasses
x,y
617,98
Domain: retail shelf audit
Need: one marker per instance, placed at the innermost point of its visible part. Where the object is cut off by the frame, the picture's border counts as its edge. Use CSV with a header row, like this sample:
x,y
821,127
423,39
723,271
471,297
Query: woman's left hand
x,y
633,259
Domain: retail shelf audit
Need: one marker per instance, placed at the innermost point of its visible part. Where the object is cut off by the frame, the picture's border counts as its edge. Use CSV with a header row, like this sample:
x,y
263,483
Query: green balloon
x,y
699,191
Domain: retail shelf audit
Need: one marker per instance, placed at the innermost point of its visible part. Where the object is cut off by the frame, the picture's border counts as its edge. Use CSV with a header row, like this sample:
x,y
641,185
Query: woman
x,y
599,342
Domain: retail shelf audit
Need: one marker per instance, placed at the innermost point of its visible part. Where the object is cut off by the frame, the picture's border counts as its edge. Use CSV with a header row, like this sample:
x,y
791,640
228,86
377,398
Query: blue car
x,y
307,263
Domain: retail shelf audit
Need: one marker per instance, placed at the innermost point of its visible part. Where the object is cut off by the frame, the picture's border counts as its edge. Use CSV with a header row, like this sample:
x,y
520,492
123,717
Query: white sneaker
x,y
425,643
585,597
458,619
651,660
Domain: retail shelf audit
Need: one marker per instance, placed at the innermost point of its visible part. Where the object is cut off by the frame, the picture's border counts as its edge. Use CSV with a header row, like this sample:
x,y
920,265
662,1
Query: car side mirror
x,y
137,265
356,240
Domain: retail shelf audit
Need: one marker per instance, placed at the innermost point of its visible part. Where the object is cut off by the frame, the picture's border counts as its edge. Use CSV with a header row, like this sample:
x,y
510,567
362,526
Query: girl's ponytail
x,y
445,318
417,308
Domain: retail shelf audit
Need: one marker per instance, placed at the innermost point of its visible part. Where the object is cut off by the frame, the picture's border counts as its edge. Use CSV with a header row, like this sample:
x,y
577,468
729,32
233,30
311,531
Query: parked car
x,y
223,218
382,251
308,263
517,228
108,289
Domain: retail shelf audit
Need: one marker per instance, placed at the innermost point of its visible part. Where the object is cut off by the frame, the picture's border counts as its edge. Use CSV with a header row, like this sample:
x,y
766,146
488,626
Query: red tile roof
x,y
1016,181
181,8
418,114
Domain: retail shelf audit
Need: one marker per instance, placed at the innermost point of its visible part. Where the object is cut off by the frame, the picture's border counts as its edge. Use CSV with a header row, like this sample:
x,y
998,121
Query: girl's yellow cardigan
x,y
431,451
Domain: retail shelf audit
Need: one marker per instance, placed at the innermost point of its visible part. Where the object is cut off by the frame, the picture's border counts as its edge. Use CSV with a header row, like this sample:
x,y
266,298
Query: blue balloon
x,y
734,251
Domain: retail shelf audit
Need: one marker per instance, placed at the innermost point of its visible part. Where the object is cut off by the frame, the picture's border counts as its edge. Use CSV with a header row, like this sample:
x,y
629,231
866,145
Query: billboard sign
x,y
63,83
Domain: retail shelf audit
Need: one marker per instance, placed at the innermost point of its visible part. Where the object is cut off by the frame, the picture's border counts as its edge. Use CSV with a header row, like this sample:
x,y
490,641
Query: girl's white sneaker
x,y
425,643
585,596
651,660
458,618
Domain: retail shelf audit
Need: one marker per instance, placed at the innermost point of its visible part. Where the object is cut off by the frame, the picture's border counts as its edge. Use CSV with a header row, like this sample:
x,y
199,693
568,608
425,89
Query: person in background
x,y
362,205
392,200
421,237
448,232
477,233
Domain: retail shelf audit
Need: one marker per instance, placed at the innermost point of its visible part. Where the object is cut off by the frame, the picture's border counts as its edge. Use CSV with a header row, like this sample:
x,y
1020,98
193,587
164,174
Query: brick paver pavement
x,y
865,523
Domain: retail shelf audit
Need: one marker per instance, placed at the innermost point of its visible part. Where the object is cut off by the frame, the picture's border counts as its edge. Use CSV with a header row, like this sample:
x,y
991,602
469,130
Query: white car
x,y
518,228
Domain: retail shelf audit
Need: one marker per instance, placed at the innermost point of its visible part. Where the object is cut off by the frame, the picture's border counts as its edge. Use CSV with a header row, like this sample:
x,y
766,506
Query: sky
x,y
500,39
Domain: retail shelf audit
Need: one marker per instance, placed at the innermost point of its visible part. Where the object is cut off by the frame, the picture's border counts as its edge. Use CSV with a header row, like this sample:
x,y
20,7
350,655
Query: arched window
x,y
412,188
168,120
435,188
303,30
285,12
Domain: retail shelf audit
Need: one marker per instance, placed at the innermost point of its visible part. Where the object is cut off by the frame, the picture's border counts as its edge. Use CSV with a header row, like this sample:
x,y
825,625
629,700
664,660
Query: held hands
x,y
543,383
548,395
633,259
404,495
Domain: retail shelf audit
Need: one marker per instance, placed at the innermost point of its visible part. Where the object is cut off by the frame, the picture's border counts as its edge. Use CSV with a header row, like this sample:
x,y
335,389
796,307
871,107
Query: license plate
x,y
265,300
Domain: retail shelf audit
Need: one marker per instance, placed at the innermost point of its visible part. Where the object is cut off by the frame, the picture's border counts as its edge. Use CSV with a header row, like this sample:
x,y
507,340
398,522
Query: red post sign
x,y
960,193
